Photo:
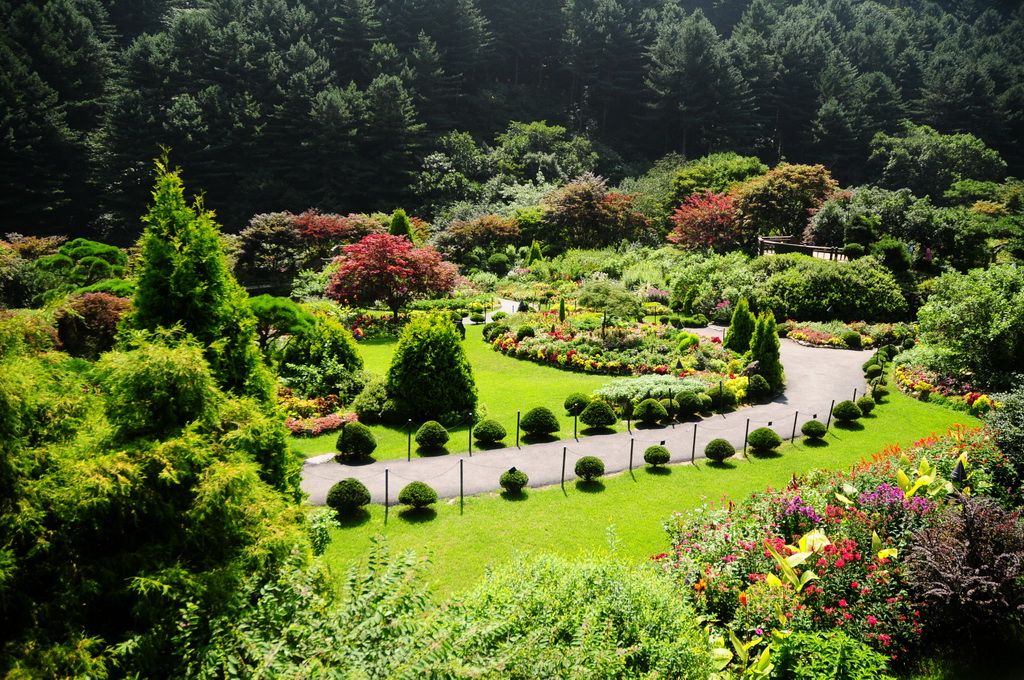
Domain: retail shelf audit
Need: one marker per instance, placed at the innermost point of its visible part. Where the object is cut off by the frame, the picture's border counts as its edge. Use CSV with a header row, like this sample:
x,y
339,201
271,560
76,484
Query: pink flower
x,y
842,603
872,621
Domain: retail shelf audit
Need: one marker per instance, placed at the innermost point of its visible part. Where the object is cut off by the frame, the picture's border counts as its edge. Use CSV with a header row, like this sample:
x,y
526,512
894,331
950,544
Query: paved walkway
x,y
815,376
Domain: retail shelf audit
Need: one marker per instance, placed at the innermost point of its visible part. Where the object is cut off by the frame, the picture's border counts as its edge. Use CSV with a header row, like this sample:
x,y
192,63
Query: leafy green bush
x,y
879,392
489,431
417,494
695,321
599,413
688,403
718,450
371,404
650,412
432,435
513,480
813,429
348,495
477,318
866,404
758,388
763,439
576,402
670,406
853,251
851,338
356,440
819,655
525,332
589,467
656,455
539,420
872,371
498,316
846,411
722,397
705,401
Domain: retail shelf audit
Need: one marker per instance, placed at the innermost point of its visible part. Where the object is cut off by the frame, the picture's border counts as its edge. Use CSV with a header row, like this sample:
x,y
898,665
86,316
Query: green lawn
x,y
493,530
504,385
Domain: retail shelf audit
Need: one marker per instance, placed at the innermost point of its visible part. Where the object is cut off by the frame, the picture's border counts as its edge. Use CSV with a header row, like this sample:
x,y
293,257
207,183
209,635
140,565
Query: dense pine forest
x,y
359,105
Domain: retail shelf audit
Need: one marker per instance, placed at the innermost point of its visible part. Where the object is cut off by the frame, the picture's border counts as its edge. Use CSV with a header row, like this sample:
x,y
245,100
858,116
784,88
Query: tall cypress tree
x,y
184,280
764,348
741,328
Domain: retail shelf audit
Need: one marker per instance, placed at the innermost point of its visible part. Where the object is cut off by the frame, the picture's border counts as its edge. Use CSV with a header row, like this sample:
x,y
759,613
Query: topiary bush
x,y
717,450
539,420
477,318
705,401
758,388
599,413
814,429
348,495
489,432
589,467
688,403
656,455
494,330
866,404
763,440
872,371
846,411
513,480
671,408
853,251
879,392
356,440
852,339
432,435
575,403
722,397
650,412
417,494
525,332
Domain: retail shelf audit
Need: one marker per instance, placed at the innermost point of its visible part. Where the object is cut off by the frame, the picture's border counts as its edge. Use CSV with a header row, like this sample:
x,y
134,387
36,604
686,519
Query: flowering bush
x,y
316,426
830,334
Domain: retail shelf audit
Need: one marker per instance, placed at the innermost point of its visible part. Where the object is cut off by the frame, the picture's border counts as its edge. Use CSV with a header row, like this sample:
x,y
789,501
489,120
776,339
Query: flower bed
x,y
956,392
830,551
311,417
318,425
830,334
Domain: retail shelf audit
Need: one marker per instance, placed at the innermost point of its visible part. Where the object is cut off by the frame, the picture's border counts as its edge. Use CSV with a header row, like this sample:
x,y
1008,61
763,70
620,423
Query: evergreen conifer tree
x,y
764,348
401,226
741,328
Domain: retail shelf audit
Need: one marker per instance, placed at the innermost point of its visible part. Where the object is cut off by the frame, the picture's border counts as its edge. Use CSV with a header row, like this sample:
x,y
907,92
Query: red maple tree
x,y
707,220
388,269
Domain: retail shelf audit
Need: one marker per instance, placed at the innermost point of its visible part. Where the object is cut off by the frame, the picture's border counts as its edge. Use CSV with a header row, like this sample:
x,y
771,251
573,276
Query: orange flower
x,y
743,599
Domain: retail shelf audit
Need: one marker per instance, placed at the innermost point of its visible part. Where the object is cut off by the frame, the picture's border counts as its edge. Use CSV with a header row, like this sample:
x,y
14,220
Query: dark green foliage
x,y
513,480
879,392
741,328
813,429
851,338
1007,424
87,326
689,403
589,467
866,404
432,435
575,403
670,407
599,413
417,494
489,431
348,495
475,318
277,317
846,411
650,412
322,359
758,388
429,374
853,251
718,450
872,371
356,440
525,332
722,397
656,455
705,401
561,308
828,654
539,420
764,348
498,263
183,279
370,406
892,253
763,439
493,330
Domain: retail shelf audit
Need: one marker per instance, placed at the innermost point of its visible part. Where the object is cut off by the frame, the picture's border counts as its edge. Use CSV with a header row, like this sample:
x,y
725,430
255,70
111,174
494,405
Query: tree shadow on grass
x,y
591,431
765,455
848,426
593,486
728,464
657,470
515,496
538,438
354,461
417,515
353,518
489,446
645,426
815,443
431,451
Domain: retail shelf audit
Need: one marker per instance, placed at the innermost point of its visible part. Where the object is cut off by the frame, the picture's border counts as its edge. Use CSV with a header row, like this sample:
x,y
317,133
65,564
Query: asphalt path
x,y
815,376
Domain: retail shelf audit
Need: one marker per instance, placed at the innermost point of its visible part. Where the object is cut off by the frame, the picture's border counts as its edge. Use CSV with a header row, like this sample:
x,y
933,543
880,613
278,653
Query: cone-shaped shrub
x,y
348,495
489,431
718,450
656,455
356,440
432,435
764,348
741,328
539,420
650,412
599,413
589,467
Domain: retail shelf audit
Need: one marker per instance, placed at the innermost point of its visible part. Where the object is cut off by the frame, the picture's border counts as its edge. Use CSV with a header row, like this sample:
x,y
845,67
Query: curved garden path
x,y
815,376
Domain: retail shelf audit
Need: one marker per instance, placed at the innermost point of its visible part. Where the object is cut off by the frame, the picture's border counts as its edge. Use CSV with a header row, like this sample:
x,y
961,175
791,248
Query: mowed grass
x,y
491,530
504,386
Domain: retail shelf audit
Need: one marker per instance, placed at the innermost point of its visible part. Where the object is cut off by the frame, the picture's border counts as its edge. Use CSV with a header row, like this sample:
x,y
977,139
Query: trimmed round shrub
x,y
888,352
650,412
575,403
348,495
477,318
498,263
432,435
493,330
589,467
758,388
873,371
814,429
656,455
513,480
763,439
539,420
722,396
356,440
688,403
866,404
599,413
718,450
705,401
872,360
489,431
853,251
417,494
498,316
670,407
879,392
525,332
851,338
846,411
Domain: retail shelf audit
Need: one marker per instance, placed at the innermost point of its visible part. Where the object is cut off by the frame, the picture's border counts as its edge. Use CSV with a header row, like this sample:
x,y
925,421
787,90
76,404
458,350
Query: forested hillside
x,y
348,105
